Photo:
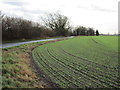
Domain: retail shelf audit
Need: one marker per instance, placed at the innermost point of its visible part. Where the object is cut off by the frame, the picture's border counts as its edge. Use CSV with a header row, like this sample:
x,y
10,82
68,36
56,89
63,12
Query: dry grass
x,y
17,69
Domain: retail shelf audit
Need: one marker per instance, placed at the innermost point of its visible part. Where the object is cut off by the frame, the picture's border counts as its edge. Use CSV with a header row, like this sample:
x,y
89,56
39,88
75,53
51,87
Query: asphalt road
x,y
6,45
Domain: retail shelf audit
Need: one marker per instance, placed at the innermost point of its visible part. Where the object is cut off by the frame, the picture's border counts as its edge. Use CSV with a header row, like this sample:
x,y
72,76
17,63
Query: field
x,y
85,61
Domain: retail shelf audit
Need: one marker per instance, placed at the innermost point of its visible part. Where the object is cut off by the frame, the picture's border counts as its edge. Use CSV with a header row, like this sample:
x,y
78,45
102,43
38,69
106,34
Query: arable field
x,y
84,61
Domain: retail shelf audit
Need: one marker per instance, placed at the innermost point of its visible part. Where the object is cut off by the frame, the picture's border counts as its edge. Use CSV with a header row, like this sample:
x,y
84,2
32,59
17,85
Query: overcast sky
x,y
99,14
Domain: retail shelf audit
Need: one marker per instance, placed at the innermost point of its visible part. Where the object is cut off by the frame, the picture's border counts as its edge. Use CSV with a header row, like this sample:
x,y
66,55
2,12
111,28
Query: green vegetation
x,y
18,67
80,62
25,40
17,71
109,41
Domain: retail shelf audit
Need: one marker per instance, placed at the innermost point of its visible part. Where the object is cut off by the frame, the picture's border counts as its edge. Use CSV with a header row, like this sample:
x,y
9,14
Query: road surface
x,y
6,45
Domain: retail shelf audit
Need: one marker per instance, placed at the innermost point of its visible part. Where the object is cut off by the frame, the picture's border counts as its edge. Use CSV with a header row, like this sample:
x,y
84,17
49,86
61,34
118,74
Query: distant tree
x,y
97,33
58,23
74,33
90,32
84,31
80,30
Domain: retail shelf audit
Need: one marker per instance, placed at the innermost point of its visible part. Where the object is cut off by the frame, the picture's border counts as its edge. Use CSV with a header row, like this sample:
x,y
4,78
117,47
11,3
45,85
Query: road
x,y
6,45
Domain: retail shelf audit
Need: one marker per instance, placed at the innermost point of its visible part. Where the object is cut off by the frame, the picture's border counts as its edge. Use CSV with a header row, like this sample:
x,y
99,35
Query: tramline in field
x,y
86,61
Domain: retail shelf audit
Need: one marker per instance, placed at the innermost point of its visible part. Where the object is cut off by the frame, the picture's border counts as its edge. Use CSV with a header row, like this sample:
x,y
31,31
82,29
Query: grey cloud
x,y
83,7
35,11
15,3
97,8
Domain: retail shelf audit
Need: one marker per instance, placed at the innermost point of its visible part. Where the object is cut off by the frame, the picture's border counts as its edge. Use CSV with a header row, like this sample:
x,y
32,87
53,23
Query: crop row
x,y
101,68
55,72
90,71
64,65
68,65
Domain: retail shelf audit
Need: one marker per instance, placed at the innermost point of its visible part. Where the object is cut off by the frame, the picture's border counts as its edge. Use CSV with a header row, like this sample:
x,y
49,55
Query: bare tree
x,y
14,28
58,23
90,32
1,16
80,30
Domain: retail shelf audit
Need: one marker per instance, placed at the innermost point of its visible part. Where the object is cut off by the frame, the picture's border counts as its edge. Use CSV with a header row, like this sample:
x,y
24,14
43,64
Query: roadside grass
x,y
17,68
25,40
0,68
17,71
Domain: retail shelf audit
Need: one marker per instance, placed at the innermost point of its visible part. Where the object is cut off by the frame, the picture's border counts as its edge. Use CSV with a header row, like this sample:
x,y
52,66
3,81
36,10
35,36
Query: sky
x,y
99,14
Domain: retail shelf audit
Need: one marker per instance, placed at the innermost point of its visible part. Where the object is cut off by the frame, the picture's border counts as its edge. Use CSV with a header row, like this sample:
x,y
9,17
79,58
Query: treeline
x,y
83,31
14,28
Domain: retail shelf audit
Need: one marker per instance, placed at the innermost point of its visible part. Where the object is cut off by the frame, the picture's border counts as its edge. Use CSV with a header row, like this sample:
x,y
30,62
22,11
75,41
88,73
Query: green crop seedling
x,y
86,61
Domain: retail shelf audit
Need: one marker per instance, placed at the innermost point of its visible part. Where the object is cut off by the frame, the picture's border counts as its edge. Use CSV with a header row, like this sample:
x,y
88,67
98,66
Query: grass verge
x,y
17,67
25,40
